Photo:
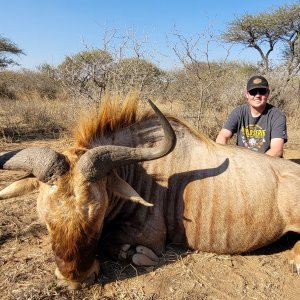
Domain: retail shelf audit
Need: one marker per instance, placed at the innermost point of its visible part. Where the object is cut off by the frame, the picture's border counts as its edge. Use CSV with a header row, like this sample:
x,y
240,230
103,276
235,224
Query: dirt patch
x,y
27,263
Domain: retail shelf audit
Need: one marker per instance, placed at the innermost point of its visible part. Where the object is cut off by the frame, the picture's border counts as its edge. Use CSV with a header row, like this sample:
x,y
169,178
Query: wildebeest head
x,y
74,195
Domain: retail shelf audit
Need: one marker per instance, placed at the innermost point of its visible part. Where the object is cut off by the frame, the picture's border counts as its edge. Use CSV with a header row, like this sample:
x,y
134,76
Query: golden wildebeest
x,y
127,188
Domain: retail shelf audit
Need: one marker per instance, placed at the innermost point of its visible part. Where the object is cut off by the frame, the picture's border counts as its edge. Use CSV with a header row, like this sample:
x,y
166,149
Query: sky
x,y
50,30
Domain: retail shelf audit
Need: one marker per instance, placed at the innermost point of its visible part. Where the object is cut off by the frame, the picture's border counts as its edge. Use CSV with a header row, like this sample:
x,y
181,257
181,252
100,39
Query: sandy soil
x,y
27,264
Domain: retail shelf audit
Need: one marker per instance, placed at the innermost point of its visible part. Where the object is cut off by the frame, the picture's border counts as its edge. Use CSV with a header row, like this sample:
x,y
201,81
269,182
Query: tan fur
x,y
21,187
110,117
122,189
74,216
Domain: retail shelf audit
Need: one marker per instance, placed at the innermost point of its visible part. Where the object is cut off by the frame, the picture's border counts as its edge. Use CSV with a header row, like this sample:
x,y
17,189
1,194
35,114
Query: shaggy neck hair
x,y
113,115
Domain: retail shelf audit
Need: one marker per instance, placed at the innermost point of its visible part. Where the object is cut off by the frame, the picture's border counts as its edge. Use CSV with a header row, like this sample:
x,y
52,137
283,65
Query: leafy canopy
x,y
7,47
264,31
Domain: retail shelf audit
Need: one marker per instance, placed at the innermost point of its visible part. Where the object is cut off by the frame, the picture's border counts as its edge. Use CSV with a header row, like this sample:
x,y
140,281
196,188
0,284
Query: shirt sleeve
x,y
232,121
279,129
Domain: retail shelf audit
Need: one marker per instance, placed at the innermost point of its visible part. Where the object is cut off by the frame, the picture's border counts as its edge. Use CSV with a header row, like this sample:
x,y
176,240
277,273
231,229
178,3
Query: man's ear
x,y
121,188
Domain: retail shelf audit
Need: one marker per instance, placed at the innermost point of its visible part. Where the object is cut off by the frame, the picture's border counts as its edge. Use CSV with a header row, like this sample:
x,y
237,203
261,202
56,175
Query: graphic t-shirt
x,y
256,133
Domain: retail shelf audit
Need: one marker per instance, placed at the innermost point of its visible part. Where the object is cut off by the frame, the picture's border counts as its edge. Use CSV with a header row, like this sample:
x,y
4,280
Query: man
x,y
259,125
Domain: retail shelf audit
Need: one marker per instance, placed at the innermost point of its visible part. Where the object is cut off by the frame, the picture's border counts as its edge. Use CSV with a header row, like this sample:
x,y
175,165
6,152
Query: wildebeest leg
x,y
140,255
295,258
116,242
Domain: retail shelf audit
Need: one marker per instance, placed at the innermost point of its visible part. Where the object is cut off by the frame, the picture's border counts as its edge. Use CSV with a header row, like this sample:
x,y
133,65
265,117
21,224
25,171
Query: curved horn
x,y
99,161
44,163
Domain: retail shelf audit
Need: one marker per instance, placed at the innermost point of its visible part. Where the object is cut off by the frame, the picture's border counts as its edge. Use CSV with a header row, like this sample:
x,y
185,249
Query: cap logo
x,y
257,81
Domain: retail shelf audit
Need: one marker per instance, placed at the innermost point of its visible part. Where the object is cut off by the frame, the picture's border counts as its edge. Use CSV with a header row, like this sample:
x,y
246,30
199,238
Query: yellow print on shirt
x,y
254,131
253,136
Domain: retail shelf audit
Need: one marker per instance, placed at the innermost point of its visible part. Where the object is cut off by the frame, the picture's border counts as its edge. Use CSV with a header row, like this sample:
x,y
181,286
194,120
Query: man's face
x,y
257,98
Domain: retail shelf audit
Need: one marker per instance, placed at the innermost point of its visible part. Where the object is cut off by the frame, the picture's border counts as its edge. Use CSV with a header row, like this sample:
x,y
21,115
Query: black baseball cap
x,y
257,82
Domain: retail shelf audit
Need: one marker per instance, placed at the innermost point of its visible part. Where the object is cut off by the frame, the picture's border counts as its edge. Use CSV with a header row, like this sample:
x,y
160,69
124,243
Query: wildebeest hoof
x,y
124,252
148,252
144,257
143,260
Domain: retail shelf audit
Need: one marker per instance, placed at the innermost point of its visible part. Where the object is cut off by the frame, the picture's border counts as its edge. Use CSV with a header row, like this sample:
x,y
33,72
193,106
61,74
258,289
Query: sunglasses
x,y
260,91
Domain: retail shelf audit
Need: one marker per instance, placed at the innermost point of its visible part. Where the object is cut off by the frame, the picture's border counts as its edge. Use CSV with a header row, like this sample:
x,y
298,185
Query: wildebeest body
x,y
209,197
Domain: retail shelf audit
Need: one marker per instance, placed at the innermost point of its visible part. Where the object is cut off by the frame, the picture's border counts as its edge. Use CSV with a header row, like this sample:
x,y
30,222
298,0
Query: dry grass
x,y
33,117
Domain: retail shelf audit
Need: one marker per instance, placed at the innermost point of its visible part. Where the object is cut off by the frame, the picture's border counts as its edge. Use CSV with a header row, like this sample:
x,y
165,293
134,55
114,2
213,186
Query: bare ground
x,y
27,264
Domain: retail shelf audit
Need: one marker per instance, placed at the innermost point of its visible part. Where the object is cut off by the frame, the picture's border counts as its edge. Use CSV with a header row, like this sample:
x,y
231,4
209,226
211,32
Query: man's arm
x,y
276,147
224,136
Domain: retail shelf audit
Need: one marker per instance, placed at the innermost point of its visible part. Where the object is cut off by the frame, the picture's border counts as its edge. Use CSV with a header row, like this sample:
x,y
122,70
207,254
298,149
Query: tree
x,y
8,47
200,74
137,74
279,28
86,73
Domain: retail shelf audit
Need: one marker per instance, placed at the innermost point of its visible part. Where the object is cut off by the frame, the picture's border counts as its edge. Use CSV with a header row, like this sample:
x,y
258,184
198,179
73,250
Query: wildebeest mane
x,y
113,115
109,117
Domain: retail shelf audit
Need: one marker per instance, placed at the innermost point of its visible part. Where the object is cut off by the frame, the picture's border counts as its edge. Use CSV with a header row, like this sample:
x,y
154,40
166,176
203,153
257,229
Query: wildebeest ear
x,y
121,188
19,188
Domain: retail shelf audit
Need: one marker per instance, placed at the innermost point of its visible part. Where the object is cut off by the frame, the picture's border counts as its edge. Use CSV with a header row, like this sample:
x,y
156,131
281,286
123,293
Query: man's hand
x,y
276,147
223,136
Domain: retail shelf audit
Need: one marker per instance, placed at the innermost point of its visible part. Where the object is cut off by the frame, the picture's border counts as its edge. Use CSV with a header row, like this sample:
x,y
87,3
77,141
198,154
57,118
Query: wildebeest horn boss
x,y
127,189
44,163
